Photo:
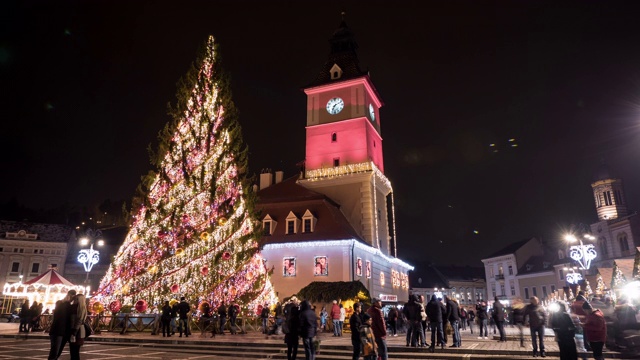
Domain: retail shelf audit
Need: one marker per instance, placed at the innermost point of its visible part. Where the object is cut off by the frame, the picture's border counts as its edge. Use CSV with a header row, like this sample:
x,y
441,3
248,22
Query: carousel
x,y
47,288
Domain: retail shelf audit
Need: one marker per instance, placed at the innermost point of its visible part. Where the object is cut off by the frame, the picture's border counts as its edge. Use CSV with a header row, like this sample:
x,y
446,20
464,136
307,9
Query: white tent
x,y
46,288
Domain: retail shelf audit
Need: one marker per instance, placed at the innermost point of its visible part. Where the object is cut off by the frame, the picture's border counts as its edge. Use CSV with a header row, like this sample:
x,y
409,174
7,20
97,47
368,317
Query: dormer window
x,y
336,72
546,264
268,225
529,267
334,137
308,222
560,254
292,223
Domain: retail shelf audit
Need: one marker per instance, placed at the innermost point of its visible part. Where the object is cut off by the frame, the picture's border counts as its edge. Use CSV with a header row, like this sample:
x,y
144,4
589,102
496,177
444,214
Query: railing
x,y
124,323
500,277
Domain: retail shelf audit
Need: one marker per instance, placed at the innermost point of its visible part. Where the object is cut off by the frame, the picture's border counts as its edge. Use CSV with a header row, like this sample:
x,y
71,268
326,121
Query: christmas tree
x,y
618,278
194,231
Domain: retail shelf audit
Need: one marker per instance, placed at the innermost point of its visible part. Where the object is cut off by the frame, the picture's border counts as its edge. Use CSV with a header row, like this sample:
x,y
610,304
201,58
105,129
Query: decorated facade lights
x,y
90,257
583,253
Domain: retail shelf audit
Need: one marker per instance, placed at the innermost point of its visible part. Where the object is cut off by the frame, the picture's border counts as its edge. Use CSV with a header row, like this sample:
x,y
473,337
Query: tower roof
x,y
343,53
603,172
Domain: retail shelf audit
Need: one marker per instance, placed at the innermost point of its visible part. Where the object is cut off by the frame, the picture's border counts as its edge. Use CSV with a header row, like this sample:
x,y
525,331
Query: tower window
x,y
336,162
607,198
624,244
618,197
334,137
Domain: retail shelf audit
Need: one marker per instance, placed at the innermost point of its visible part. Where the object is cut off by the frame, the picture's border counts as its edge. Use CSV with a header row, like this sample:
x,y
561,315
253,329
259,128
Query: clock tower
x,y
344,157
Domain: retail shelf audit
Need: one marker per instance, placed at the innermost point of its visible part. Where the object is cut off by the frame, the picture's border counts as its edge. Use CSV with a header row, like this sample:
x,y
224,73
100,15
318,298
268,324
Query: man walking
x,y
355,323
379,328
434,314
308,324
335,318
537,321
481,314
183,312
453,315
222,315
498,318
595,329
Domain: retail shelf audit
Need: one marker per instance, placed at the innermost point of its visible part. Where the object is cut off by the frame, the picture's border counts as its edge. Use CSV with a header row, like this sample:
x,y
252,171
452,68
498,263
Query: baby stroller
x,y
369,346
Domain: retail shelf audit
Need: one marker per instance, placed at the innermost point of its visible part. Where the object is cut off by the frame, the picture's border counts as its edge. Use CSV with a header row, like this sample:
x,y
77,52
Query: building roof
x,y
509,249
626,267
279,200
536,264
343,53
426,275
44,232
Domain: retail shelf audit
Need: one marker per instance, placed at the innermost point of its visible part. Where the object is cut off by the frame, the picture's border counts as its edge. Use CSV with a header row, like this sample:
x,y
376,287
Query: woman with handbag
x,y
78,332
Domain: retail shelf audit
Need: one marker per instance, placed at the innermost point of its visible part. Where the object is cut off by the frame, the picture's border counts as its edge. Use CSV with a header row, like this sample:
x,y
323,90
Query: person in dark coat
x,y
393,320
165,319
183,311
60,330
481,314
233,314
518,318
355,323
453,315
222,316
379,328
25,317
434,314
537,321
308,325
498,318
565,331
291,312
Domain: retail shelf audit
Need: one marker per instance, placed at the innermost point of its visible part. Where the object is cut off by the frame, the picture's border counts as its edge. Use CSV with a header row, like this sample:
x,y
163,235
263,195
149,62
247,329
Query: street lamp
x,y
90,257
582,253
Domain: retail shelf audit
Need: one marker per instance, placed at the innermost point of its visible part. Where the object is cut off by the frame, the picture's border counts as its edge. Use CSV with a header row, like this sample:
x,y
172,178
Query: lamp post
x,y
583,253
90,257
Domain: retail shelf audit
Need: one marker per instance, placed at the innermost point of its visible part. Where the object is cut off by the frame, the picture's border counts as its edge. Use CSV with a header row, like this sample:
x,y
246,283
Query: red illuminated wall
x,y
357,142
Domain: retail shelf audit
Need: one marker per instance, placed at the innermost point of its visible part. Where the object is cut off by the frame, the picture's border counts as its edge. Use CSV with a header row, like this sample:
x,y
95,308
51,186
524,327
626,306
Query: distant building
x,y
335,221
466,283
617,231
30,249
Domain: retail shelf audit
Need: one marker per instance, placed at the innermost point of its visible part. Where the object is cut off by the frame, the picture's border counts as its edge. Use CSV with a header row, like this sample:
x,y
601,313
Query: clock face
x,y
372,113
335,105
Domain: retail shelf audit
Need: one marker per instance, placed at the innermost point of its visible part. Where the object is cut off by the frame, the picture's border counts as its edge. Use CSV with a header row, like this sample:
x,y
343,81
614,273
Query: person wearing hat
x,y
595,329
378,327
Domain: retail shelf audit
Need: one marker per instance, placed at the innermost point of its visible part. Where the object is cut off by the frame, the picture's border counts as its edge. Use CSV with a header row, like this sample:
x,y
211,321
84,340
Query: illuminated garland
x,y
194,235
618,278
600,287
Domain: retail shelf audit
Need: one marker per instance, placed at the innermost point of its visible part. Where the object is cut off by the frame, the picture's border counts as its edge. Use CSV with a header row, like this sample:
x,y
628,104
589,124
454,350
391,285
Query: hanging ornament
x,y
125,289
222,220
204,270
152,269
249,275
162,233
258,309
233,291
204,306
175,288
141,305
205,236
226,255
98,307
173,302
180,252
115,306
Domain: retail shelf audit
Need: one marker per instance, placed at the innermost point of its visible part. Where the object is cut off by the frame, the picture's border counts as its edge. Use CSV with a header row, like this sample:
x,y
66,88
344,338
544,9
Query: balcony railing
x,y
500,277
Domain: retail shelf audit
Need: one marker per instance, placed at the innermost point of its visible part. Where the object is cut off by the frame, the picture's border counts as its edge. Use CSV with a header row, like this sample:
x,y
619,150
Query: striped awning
x,y
50,277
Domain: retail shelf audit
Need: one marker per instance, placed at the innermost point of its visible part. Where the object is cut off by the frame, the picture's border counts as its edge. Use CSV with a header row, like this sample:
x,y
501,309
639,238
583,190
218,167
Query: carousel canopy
x,y
50,277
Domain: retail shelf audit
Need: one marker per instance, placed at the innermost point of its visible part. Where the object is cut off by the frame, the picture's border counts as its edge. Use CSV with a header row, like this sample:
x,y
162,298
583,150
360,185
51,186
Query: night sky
x,y
85,88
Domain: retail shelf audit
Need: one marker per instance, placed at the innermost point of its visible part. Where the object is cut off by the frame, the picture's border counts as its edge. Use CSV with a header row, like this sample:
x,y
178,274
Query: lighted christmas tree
x,y
193,230
636,265
600,287
618,278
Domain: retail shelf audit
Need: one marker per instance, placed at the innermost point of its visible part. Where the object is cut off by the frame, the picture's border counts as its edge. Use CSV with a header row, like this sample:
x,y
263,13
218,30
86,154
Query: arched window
x,y
622,240
602,244
334,137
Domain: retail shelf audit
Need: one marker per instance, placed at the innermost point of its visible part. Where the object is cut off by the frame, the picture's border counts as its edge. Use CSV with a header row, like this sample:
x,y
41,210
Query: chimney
x,y
279,175
266,180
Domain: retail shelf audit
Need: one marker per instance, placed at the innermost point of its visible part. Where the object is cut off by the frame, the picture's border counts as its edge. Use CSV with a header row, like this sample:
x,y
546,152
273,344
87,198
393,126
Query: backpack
x,y
463,313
